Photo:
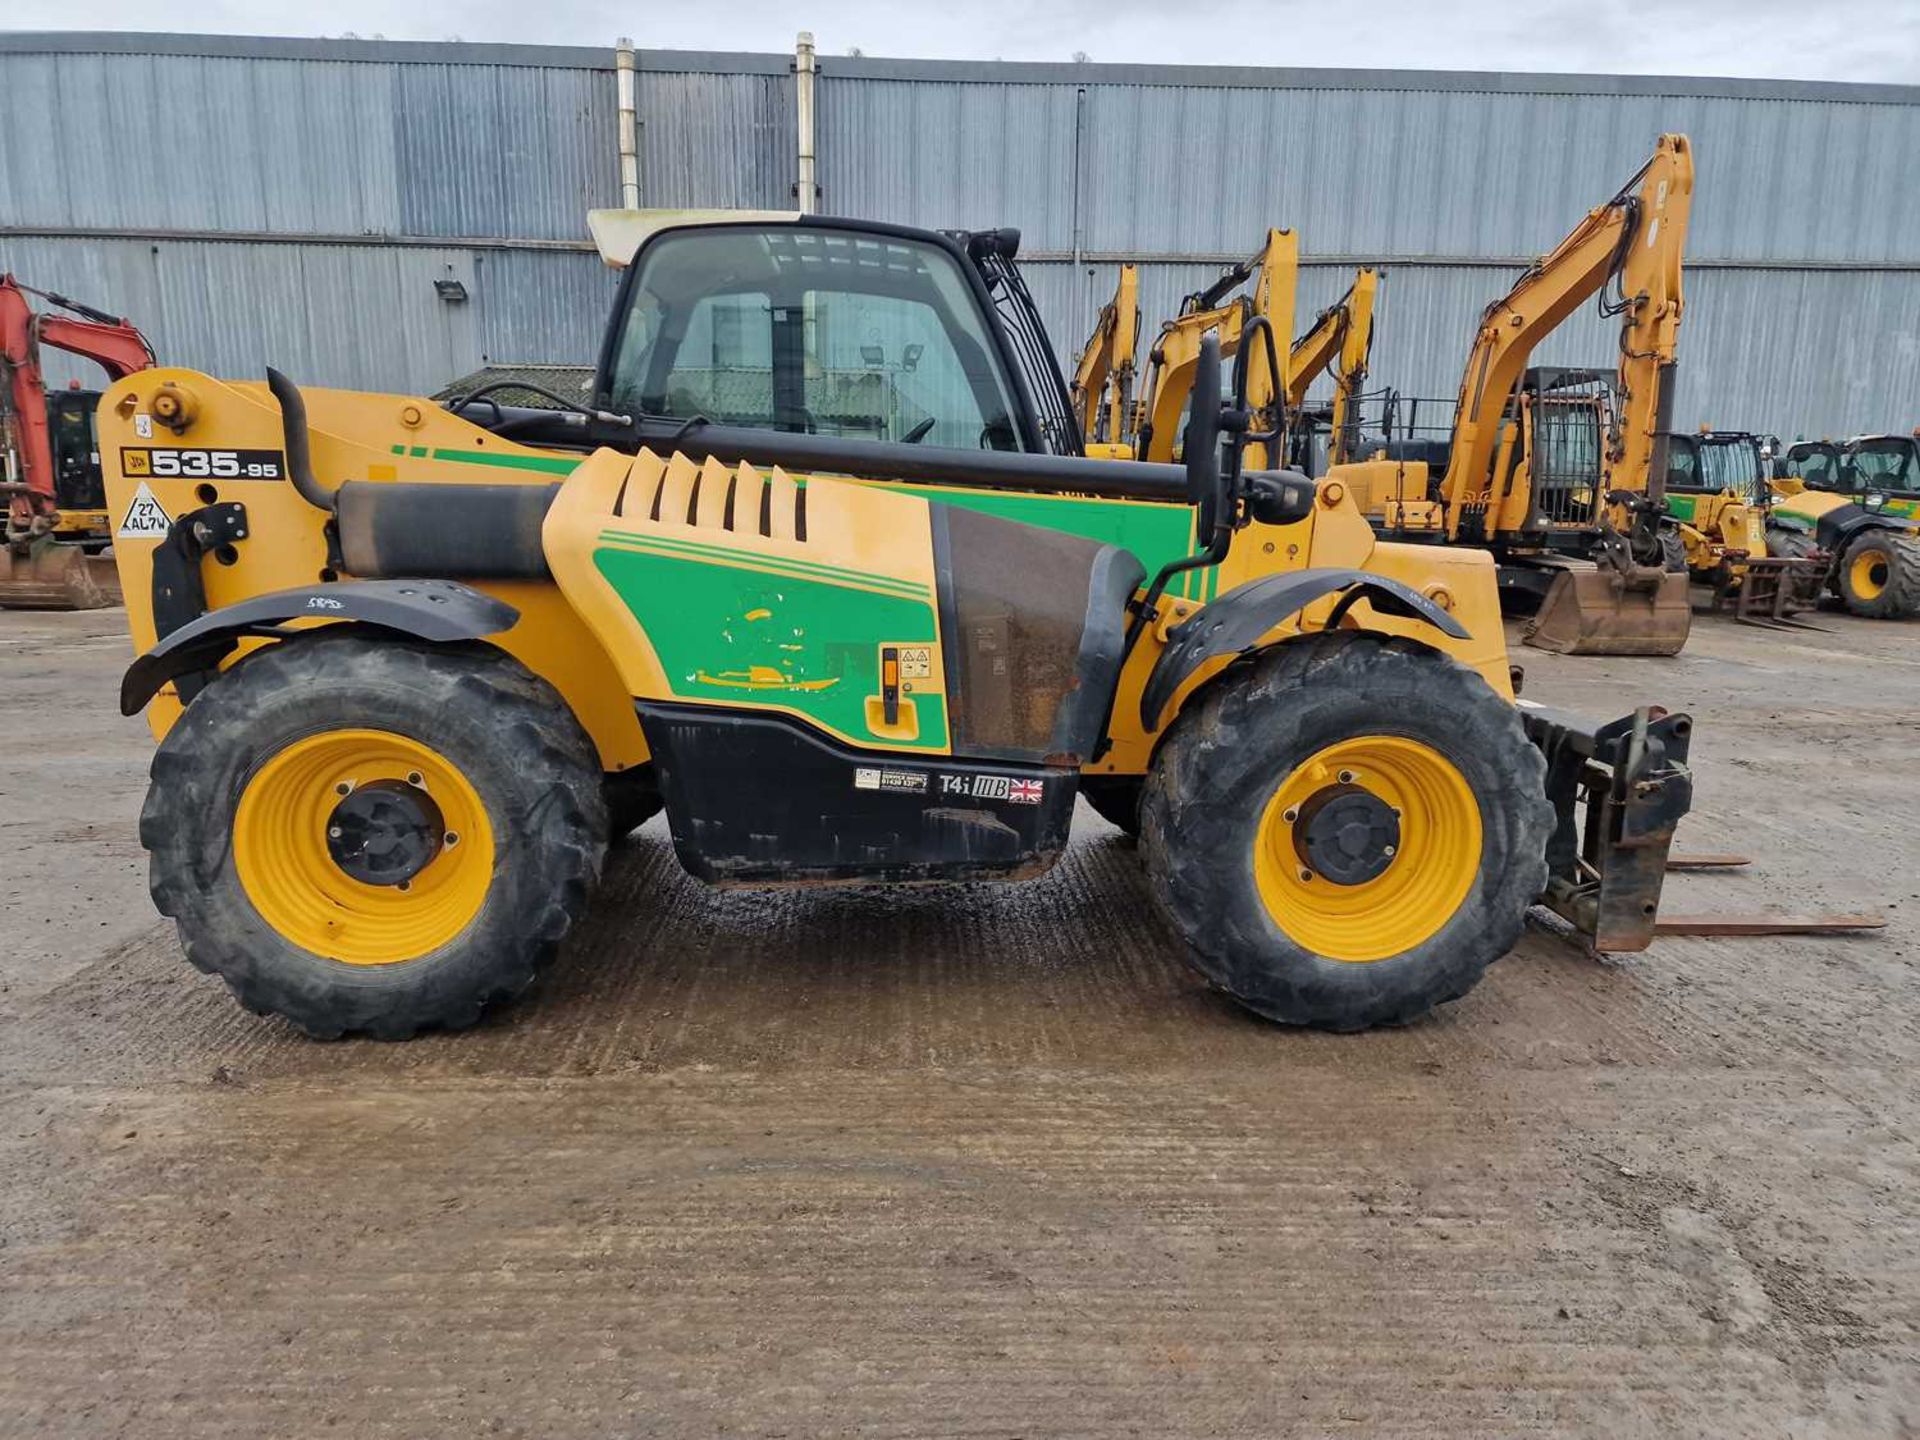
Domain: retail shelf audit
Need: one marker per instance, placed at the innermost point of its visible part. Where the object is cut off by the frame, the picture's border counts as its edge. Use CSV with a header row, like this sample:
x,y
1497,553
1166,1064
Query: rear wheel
x,y
1879,575
368,835
1347,831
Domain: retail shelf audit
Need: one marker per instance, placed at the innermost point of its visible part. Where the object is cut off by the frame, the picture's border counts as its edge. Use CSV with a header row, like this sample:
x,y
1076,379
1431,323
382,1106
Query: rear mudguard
x,y
440,611
1235,622
1618,792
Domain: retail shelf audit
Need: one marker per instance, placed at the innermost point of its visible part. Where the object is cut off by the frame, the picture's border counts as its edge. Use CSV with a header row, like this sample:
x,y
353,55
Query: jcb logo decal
x,y
164,464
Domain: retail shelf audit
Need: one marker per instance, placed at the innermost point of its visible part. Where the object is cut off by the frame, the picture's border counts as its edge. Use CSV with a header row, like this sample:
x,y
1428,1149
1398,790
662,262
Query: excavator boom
x,y
1343,330
1634,243
1103,378
1274,272
1566,490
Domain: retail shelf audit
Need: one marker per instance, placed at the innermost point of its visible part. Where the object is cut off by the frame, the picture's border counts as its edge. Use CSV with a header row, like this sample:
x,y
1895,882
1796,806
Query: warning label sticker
x,y
144,520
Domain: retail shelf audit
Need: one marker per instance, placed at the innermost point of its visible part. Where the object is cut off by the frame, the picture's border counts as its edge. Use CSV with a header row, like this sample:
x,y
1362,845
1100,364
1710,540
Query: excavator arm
x,y
1103,378
1176,353
1344,330
1634,244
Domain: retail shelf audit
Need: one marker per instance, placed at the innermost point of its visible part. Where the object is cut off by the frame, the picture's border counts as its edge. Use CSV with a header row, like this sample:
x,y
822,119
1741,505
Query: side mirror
x,y
1202,443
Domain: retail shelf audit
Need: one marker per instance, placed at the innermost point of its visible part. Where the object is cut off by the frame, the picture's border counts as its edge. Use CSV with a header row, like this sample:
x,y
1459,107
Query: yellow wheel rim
x,y
287,847
1427,862
1867,575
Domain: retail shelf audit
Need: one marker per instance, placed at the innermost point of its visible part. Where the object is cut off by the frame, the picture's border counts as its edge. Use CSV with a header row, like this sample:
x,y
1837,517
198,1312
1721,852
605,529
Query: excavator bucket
x,y
46,574
1600,611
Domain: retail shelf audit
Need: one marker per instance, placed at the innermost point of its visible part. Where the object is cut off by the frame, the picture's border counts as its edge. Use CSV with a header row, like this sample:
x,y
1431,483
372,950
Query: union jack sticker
x,y
1026,792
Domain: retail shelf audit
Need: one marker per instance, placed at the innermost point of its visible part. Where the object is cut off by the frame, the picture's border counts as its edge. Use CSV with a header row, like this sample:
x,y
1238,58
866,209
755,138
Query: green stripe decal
x,y
544,464
547,464
726,555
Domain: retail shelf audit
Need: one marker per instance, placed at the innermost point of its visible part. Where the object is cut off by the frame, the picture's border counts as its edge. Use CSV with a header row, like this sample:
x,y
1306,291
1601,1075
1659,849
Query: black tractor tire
x,y
1115,799
1891,561
1785,544
633,798
1241,738
506,733
1673,551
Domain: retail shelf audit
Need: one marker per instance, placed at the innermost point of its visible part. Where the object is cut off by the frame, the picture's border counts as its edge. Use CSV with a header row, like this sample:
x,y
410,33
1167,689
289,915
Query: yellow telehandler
x,y
1859,504
821,568
1718,496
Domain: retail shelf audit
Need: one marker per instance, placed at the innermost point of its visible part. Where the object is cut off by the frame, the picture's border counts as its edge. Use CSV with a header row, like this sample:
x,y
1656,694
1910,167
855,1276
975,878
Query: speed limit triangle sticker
x,y
144,520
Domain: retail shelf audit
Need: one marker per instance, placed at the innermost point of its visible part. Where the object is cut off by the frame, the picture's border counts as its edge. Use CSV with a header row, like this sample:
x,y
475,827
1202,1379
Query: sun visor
x,y
618,234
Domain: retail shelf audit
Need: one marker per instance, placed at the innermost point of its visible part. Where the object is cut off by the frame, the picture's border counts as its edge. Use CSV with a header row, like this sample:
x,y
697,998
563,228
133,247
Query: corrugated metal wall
x,y
293,201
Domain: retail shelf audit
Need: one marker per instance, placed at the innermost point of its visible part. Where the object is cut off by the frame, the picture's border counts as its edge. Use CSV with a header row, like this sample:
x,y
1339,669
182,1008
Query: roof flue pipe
x,y
804,189
624,77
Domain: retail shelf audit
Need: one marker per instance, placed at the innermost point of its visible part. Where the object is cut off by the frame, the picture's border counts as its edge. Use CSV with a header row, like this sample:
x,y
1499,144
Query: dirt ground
x,y
983,1162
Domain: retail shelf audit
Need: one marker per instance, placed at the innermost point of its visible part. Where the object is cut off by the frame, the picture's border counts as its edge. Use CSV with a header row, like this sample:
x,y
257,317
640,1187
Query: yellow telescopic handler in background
x,y
823,570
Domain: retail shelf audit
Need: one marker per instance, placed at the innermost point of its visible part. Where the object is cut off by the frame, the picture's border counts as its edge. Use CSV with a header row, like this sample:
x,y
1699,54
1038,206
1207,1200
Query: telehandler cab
x,y
822,570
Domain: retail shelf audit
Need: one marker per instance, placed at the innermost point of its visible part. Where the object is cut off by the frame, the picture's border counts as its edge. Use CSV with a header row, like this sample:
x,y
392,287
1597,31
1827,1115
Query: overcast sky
x,y
1793,39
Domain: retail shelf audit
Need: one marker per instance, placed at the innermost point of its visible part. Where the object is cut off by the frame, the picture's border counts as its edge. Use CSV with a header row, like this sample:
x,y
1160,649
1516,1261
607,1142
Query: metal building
x,y
389,215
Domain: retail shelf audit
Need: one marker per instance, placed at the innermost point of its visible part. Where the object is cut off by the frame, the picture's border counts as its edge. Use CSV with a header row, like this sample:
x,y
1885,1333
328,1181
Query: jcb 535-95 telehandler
x,y
824,571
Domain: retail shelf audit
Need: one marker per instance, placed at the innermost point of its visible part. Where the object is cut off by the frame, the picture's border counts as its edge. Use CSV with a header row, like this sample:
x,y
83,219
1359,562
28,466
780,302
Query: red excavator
x,y
49,458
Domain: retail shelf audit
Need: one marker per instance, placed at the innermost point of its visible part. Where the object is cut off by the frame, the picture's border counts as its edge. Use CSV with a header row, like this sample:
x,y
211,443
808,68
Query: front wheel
x,y
1347,830
367,835
1879,575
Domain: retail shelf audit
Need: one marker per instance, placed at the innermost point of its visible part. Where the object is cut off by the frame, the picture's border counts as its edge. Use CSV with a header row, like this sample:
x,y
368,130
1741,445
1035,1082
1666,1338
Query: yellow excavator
x,y
1561,472
1117,426
1344,332
1230,315
1102,393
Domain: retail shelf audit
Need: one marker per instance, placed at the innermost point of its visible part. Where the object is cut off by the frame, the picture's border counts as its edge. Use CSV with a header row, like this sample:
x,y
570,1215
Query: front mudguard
x,y
440,611
1234,623
1618,792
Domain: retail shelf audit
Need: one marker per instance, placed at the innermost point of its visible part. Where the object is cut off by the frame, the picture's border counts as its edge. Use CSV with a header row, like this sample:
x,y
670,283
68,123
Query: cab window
x,y
1815,467
1884,465
811,331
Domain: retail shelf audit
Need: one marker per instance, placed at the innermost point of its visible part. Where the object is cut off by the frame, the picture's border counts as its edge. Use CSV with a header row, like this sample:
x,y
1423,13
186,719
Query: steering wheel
x,y
919,432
